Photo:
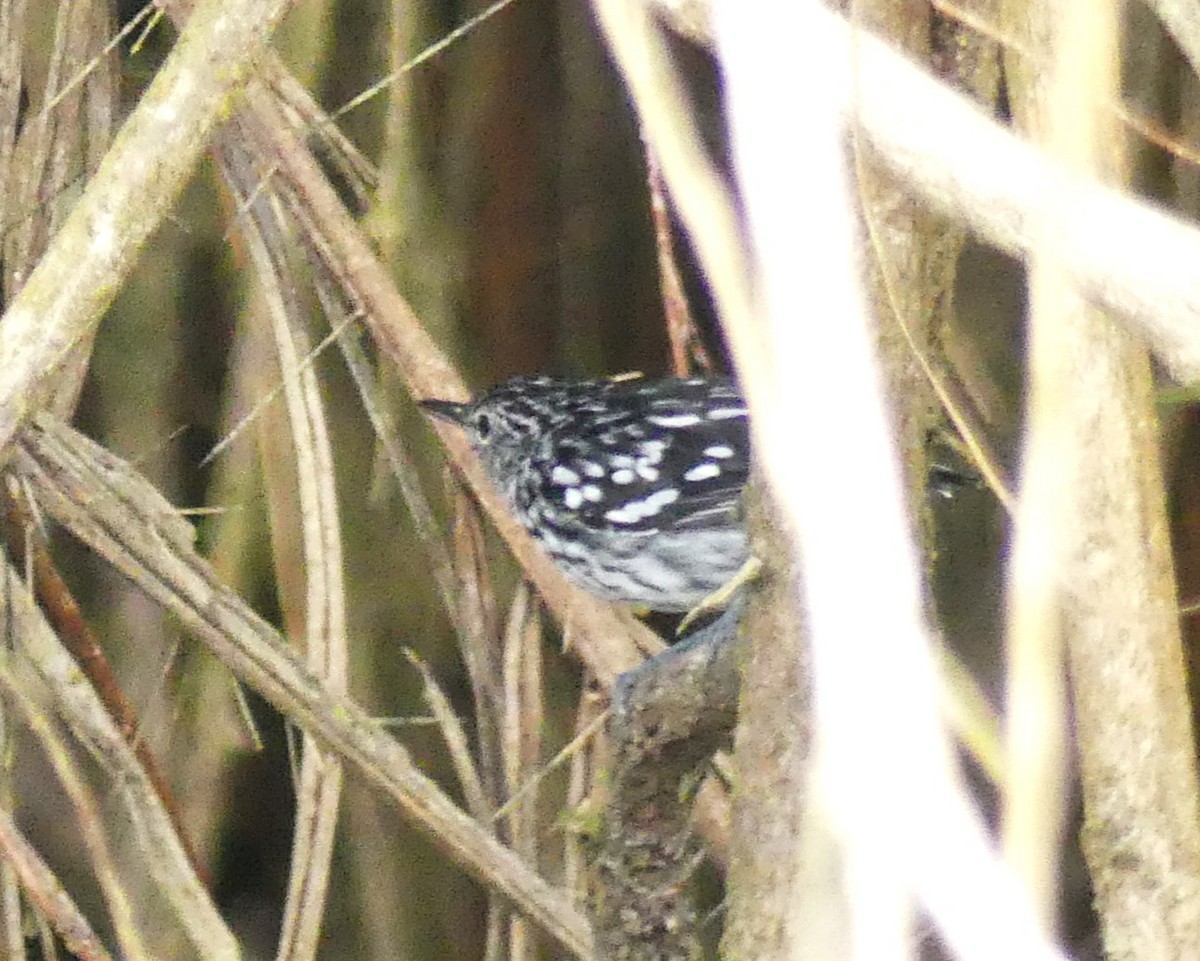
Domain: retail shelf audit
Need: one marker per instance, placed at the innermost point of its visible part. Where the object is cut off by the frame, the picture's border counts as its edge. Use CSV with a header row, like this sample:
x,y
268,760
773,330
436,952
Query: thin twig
x,y
61,610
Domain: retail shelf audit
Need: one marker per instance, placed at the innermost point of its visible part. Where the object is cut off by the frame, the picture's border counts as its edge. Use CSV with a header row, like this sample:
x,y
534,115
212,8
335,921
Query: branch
x,y
117,512
1123,254
133,190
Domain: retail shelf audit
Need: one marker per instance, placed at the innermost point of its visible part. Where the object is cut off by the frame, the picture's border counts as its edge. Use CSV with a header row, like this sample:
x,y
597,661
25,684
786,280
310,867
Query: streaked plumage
x,y
631,485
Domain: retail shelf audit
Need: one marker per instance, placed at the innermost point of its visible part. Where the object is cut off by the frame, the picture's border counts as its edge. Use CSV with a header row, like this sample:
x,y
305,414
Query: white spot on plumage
x,y
703,472
719,451
622,476
652,451
591,469
646,472
674,420
592,493
573,498
645,507
726,413
563,476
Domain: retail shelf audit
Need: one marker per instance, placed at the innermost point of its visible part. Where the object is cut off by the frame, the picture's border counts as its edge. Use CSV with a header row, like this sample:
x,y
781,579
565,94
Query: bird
x,y
632,485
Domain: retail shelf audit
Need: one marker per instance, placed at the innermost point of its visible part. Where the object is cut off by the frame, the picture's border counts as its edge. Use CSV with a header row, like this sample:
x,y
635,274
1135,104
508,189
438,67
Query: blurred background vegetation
x,y
512,207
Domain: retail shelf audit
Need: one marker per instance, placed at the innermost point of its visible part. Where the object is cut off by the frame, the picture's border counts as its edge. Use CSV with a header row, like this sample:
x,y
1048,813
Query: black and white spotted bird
x,y
632,486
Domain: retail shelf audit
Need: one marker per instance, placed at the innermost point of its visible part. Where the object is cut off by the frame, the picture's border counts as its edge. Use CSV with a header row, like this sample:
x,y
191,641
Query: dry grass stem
x,y
89,722
391,442
27,548
574,751
27,696
323,612
926,840
1047,107
128,197
155,552
12,29
1000,185
591,716
479,643
521,742
457,743
48,894
1092,567
686,347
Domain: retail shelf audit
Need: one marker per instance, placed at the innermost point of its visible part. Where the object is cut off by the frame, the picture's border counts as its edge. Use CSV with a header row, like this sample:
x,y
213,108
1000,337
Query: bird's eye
x,y
483,426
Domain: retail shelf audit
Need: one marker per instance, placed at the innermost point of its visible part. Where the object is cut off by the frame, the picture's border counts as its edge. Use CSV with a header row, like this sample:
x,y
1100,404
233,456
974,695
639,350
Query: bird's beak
x,y
446,410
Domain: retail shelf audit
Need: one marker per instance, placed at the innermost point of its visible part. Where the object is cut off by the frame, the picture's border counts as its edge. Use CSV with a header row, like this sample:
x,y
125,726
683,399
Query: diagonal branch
x,y
132,191
117,512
